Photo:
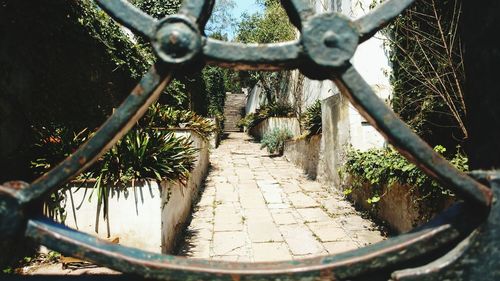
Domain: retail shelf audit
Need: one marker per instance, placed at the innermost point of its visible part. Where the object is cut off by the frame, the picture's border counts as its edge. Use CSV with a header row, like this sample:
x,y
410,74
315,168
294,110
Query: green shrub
x,y
142,154
264,112
311,119
275,140
385,167
278,109
146,154
250,121
162,116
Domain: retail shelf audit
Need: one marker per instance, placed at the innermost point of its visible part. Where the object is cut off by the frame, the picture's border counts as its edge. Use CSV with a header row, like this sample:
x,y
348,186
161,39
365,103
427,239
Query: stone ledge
x,y
269,124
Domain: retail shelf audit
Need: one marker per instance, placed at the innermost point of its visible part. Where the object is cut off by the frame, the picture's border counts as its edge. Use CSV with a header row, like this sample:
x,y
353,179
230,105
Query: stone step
x,y
235,104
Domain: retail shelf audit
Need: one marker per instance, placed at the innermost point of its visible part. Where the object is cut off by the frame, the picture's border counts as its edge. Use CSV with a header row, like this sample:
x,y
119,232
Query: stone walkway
x,y
256,208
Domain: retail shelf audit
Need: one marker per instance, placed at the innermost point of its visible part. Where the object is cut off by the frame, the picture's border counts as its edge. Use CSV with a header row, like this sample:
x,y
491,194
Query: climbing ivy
x,y
158,8
385,167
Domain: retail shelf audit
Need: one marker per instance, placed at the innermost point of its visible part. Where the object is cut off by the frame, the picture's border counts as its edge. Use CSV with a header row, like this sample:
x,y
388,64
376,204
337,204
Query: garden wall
x,y
149,216
401,207
305,153
271,123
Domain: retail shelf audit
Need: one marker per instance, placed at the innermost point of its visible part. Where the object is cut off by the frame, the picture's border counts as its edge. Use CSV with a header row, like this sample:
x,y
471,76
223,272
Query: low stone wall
x,y
149,215
269,124
401,207
177,199
305,153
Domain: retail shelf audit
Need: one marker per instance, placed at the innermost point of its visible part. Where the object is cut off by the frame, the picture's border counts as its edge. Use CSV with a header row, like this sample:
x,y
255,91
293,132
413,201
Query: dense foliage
x,y
271,26
311,119
275,140
277,109
161,116
158,8
385,167
71,69
142,154
428,71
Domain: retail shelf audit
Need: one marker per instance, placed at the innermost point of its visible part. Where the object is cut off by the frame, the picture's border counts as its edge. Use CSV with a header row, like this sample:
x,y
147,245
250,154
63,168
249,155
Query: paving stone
x,y
263,252
312,186
279,206
284,218
219,179
233,179
291,188
233,221
274,197
301,240
338,247
245,176
327,231
263,231
200,250
300,200
201,230
354,222
206,211
225,222
313,214
258,215
229,243
206,200
366,237
225,196
229,208
253,201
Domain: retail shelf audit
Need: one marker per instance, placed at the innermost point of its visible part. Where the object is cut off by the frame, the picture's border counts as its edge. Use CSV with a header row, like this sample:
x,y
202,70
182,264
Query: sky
x,y
242,6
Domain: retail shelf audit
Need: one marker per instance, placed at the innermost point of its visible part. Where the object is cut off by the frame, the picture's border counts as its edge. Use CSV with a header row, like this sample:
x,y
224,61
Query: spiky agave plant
x,y
162,116
311,119
143,154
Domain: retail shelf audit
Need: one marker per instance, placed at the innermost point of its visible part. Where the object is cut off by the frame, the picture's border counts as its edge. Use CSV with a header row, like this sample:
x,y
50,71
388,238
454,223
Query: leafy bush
x,y
162,116
311,119
142,154
385,167
264,112
146,154
251,120
275,140
278,109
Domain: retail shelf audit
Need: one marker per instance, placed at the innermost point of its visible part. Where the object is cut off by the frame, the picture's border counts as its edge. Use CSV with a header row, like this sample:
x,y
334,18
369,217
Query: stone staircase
x,y
233,110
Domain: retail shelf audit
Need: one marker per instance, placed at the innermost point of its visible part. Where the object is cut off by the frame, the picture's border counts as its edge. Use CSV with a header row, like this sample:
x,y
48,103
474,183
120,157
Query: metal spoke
x,y
298,11
451,226
122,120
198,10
407,142
130,16
380,17
252,57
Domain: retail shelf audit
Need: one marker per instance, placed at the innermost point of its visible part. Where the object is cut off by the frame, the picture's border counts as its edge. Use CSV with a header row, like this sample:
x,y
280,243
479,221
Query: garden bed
x,y
146,215
268,124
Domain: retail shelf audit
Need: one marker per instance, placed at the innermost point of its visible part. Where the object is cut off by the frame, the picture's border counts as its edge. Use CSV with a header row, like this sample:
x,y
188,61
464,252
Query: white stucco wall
x,y
254,99
141,216
371,62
